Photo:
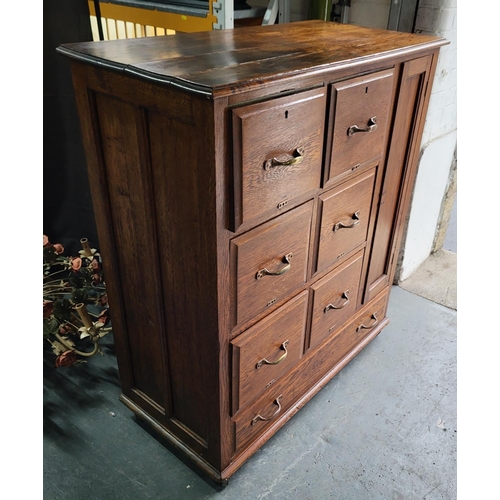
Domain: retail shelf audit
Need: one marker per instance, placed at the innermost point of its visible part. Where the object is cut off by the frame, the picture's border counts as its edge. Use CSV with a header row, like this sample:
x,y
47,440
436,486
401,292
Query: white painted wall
x,y
439,141
430,188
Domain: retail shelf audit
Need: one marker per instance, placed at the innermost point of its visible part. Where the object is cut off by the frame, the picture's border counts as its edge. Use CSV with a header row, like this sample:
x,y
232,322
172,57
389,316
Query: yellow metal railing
x,y
122,21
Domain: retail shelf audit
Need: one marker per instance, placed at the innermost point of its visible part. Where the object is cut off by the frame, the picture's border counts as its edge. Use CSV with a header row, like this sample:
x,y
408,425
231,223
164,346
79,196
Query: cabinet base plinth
x,y
222,477
172,440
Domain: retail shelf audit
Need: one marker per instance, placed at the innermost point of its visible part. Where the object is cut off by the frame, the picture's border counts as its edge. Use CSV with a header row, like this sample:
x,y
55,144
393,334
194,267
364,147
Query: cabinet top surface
x,y
225,61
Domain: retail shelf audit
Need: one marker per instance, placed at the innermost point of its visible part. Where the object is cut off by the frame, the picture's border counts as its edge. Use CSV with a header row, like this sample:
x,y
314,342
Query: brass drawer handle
x,y
293,159
279,272
372,125
277,401
264,361
331,306
364,327
341,225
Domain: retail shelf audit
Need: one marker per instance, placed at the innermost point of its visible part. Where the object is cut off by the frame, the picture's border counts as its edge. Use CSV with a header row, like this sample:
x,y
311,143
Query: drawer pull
x,y
372,125
341,225
277,401
285,160
264,361
279,272
331,306
364,327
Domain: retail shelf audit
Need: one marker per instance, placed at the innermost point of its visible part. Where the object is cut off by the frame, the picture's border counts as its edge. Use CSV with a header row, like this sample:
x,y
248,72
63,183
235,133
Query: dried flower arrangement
x,y
75,305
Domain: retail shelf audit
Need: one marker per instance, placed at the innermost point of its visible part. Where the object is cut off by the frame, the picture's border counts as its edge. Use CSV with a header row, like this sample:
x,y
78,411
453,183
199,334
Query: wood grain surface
x,y
345,218
266,248
339,289
220,62
357,102
266,340
265,134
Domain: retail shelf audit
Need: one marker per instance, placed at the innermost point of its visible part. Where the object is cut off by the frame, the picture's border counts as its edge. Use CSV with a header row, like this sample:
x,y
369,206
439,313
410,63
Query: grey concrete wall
x,y
370,13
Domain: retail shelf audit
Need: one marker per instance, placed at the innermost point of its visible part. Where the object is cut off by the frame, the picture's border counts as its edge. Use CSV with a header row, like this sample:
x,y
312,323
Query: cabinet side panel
x,y
182,156
102,210
126,167
150,154
406,137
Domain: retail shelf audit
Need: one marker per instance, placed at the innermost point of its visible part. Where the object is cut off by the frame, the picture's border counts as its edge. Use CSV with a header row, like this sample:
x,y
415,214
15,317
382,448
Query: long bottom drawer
x,y
316,365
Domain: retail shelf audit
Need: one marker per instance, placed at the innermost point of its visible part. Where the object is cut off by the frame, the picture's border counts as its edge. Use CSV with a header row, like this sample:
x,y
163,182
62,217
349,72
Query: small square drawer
x,y
361,116
335,298
345,214
277,153
270,261
371,316
267,350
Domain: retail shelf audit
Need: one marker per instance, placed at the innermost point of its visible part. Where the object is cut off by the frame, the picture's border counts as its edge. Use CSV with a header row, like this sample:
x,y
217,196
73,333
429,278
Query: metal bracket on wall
x,y
224,11
284,11
340,11
277,10
402,15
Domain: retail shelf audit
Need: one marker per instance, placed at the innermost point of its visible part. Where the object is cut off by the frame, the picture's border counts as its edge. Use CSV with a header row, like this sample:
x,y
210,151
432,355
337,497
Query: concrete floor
x,y
436,278
385,428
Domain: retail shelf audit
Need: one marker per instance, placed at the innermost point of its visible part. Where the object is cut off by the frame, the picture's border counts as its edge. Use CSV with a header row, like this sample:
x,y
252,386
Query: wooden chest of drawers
x,y
249,188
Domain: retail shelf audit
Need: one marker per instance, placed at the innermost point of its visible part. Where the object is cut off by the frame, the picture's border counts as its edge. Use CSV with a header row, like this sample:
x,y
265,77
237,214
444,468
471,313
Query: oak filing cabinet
x,y
250,188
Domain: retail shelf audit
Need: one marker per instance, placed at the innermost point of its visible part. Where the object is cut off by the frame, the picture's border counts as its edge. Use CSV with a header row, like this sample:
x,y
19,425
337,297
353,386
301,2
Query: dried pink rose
x,y
59,249
95,264
67,358
46,242
76,263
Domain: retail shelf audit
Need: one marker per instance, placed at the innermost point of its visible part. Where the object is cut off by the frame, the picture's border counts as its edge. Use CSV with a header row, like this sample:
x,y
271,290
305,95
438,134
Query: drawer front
x,y
369,318
278,147
361,117
271,261
335,299
345,214
256,418
267,350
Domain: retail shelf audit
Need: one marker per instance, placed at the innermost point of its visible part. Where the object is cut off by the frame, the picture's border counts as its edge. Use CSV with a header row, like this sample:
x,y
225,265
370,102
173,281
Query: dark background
x,y
68,215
